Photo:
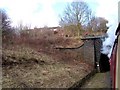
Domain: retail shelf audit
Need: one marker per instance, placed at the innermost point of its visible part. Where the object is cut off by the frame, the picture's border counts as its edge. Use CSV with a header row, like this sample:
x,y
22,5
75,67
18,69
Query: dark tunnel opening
x,y
104,63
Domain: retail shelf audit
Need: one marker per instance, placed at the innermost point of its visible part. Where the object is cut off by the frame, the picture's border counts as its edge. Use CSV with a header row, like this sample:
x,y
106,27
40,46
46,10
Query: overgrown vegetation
x,y
8,32
30,57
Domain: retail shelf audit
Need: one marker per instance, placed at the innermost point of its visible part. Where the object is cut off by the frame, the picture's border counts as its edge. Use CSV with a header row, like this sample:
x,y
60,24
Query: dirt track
x,y
100,80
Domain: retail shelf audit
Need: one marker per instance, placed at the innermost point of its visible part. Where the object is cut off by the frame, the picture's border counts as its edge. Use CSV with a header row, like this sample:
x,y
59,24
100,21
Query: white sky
x,y
41,12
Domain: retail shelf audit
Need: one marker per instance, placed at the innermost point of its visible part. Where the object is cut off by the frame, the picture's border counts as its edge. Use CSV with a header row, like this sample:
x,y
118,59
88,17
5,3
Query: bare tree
x,y
76,13
5,20
5,27
5,23
98,24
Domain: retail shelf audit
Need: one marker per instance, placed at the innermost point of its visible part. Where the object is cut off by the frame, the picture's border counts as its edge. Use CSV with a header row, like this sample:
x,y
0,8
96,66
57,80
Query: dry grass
x,y
32,61
44,72
39,76
24,55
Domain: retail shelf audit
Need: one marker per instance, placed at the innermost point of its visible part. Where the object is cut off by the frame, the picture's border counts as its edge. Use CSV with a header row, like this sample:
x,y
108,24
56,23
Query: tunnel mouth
x,y
104,63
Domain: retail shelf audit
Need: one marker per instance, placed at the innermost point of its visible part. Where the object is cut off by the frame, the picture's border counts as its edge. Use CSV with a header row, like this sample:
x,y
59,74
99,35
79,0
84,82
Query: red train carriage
x,y
114,61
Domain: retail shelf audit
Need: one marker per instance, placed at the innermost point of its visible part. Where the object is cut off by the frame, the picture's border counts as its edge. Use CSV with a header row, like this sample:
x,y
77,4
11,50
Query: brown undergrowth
x,y
35,63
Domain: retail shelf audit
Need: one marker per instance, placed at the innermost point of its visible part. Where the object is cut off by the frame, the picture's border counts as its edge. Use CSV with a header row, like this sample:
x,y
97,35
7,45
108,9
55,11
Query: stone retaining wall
x,y
89,51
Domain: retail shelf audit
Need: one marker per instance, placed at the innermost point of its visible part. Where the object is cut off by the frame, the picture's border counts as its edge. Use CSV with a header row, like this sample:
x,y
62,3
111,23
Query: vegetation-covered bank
x,y
25,67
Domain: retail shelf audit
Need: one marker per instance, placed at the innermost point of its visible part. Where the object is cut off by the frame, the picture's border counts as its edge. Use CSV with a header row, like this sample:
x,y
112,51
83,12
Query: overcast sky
x,y
46,12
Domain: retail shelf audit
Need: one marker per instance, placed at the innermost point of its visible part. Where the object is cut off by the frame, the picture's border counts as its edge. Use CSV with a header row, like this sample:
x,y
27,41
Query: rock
x,y
44,72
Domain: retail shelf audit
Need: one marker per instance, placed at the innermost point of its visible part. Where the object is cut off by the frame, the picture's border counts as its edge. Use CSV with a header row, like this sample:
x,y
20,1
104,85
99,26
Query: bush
x,y
8,33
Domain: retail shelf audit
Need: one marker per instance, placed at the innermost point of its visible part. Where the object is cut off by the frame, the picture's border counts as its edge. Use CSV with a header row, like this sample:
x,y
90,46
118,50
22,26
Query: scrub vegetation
x,y
30,58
